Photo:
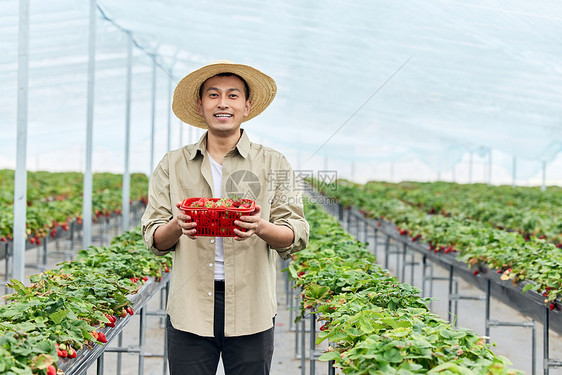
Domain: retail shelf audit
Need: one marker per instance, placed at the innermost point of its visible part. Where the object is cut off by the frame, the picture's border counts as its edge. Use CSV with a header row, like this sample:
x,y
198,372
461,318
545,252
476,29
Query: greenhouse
x,y
361,187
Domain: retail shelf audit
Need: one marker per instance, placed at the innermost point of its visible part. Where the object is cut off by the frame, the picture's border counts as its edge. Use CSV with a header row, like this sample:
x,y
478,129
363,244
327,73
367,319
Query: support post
x,y
543,186
546,349
153,116
490,168
312,343
386,251
170,93
126,208
142,339
20,183
88,179
514,171
470,163
449,299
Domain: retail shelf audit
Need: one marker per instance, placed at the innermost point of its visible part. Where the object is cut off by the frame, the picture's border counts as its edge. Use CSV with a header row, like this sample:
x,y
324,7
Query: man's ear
x,y
199,107
248,106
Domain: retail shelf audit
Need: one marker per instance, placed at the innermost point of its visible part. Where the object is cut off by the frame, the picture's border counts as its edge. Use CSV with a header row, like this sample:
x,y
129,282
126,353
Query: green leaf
x,y
58,316
528,287
330,356
393,356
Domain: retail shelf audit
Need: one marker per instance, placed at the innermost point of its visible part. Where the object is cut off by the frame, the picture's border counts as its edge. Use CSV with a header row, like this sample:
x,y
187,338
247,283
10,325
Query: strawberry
x,y
166,269
32,240
64,353
130,310
71,353
64,226
95,334
102,338
59,353
552,306
144,278
3,239
51,370
123,313
324,327
475,272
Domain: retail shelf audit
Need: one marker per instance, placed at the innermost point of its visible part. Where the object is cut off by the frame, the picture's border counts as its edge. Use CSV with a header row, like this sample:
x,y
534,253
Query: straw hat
x,y
262,90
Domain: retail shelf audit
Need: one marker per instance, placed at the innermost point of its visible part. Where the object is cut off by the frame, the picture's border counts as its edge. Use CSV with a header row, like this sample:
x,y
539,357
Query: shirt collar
x,y
201,146
243,146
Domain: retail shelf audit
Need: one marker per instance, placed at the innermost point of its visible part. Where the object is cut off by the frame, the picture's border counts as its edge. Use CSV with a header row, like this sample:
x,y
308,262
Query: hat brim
x,y
262,91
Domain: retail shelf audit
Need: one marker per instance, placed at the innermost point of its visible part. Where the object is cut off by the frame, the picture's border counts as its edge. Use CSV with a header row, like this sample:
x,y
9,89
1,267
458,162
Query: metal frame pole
x,y
142,339
88,180
488,292
153,116
386,251
99,369
490,168
20,188
181,135
404,247
312,343
303,343
126,175
450,300
165,359
543,186
170,93
514,171
546,349
470,162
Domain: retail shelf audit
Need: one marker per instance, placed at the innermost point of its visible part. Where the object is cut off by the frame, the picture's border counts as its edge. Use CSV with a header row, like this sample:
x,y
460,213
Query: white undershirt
x,y
216,170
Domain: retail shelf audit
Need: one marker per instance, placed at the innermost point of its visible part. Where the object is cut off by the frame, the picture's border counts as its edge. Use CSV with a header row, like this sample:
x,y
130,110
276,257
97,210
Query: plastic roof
x,y
424,79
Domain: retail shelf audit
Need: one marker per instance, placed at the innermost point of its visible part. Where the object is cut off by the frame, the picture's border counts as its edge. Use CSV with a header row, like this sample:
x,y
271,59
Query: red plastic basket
x,y
216,222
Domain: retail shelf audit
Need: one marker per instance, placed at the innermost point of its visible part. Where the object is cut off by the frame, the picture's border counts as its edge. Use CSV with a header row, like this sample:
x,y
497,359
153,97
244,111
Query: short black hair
x,y
226,74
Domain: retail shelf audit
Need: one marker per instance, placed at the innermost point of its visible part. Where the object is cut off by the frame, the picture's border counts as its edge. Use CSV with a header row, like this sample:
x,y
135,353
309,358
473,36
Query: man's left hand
x,y
251,222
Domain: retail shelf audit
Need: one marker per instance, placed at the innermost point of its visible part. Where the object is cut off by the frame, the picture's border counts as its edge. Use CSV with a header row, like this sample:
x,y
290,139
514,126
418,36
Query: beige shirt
x,y
249,171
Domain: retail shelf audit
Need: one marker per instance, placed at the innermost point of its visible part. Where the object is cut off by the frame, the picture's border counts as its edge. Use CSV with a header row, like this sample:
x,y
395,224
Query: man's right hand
x,y
166,236
186,225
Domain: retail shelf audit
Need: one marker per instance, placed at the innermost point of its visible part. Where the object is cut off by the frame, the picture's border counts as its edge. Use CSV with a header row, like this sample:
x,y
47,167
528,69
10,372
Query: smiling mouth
x,y
223,115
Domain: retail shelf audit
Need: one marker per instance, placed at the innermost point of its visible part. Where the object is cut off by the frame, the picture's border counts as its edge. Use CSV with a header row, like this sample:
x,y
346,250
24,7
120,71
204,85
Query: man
x,y
222,295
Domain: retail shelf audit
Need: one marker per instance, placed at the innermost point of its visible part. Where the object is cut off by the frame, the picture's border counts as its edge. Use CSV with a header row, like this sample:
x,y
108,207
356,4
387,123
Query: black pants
x,y
191,354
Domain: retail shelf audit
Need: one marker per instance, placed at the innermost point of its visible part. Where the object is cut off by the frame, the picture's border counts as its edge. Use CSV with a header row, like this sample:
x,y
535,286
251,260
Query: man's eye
x,y
213,95
233,95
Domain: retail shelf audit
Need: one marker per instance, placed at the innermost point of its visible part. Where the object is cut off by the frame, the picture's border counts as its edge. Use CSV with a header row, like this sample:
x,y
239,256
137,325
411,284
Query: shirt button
x,y
210,264
210,293
213,241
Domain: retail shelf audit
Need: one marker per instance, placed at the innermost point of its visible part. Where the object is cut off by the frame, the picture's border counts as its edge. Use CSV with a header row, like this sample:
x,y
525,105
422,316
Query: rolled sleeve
x,y
287,210
159,208
300,229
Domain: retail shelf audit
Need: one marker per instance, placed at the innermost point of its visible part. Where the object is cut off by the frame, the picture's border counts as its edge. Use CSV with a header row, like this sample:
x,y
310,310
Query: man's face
x,y
223,103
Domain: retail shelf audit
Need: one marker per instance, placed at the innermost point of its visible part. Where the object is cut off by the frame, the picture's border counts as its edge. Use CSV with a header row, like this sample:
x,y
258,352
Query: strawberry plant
x,y
374,323
55,199
61,311
536,260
